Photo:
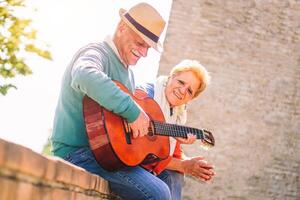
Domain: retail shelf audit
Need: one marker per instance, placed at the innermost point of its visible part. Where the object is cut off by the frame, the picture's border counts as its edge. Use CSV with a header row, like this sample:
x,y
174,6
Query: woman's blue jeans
x,y
132,182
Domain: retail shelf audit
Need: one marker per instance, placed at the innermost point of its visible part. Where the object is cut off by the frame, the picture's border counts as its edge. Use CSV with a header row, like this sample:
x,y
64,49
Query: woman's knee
x,y
177,177
174,180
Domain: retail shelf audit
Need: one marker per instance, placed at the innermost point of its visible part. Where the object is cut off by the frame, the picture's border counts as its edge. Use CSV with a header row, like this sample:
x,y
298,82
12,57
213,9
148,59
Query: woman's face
x,y
181,88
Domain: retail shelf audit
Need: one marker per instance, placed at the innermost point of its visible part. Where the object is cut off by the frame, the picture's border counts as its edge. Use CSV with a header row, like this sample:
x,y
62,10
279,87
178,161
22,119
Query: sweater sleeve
x,y
178,151
148,88
88,77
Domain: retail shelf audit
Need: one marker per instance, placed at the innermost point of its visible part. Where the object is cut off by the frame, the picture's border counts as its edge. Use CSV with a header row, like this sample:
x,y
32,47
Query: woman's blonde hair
x,y
194,66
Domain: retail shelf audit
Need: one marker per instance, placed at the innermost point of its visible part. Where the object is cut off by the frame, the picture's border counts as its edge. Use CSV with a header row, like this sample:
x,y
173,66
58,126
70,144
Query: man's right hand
x,y
140,126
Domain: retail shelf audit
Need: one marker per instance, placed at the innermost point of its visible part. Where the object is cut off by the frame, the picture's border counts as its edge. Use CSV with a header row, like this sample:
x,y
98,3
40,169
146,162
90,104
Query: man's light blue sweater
x,y
90,73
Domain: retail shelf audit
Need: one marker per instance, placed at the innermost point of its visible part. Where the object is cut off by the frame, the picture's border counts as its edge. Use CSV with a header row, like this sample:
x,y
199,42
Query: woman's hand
x,y
191,138
198,168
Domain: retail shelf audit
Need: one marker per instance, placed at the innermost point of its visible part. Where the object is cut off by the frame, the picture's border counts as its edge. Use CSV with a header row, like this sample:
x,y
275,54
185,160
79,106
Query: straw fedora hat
x,y
146,22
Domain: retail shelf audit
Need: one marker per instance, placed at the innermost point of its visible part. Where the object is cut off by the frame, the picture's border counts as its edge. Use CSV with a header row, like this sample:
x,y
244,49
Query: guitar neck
x,y
174,130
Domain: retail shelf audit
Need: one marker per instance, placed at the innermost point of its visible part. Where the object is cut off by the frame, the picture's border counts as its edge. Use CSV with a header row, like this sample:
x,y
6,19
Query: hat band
x,y
142,29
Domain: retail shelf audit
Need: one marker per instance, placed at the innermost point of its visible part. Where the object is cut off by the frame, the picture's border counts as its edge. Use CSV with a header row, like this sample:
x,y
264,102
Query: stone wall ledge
x,y
27,175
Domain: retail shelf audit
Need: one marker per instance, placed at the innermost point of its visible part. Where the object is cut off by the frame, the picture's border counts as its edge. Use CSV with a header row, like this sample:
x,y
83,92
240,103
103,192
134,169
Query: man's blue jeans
x,y
132,182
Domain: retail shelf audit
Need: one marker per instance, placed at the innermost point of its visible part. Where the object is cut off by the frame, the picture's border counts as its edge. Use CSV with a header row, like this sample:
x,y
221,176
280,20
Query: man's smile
x,y
136,53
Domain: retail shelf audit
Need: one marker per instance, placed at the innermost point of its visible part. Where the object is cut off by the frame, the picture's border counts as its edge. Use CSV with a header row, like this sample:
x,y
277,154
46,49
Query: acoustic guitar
x,y
111,139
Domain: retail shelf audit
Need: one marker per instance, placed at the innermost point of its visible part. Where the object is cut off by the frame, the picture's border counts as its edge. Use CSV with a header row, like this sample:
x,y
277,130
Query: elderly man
x,y
90,73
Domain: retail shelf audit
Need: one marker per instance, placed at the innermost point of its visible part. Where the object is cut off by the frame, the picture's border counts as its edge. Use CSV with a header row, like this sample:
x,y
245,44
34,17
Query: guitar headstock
x,y
208,140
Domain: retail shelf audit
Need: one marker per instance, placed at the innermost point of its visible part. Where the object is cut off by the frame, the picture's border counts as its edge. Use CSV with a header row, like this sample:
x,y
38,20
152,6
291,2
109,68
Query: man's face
x,y
181,88
131,46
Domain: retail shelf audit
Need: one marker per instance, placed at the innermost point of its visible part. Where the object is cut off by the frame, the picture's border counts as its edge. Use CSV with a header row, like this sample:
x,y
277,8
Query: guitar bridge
x,y
127,131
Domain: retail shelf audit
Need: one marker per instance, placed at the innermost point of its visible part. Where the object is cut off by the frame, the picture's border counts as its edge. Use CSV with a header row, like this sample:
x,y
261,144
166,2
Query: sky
x,y
64,26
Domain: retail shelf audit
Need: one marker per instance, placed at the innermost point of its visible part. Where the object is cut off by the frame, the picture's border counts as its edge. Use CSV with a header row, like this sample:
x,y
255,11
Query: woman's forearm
x,y
176,164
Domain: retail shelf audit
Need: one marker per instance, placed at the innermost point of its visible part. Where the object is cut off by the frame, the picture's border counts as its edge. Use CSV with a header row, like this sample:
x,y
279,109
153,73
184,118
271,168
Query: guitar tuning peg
x,y
205,145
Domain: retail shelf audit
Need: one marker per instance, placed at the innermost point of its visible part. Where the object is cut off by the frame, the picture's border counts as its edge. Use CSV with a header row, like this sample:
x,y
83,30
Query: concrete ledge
x,y
25,174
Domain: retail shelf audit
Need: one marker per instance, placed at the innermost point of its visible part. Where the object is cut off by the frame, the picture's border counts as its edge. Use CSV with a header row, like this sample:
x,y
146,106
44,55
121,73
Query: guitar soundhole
x,y
151,136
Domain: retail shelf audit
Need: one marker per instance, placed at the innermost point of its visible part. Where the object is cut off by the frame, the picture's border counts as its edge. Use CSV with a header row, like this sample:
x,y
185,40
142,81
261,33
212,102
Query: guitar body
x,y
112,143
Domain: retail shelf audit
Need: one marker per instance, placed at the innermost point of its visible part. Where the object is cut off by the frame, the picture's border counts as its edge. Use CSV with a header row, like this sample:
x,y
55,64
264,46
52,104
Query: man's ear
x,y
122,26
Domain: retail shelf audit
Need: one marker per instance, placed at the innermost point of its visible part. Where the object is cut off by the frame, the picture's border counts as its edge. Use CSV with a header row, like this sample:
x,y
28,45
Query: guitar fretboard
x,y
174,130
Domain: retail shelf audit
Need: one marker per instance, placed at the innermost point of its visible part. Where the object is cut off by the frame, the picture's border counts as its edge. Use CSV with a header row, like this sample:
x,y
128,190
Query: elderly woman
x,y
186,81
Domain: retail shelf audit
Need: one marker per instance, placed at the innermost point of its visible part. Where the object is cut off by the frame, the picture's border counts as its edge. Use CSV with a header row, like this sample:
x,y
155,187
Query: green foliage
x,y
47,148
16,37
4,88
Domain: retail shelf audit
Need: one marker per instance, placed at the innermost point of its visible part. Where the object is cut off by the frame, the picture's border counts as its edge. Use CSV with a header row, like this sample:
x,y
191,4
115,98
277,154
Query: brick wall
x,y
252,50
27,175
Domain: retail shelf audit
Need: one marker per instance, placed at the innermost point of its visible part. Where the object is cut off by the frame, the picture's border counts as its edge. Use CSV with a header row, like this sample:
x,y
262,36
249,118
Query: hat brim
x,y
157,46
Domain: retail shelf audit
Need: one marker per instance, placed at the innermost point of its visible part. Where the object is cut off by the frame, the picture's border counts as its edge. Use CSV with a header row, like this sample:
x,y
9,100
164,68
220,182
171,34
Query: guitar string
x,y
177,130
171,127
